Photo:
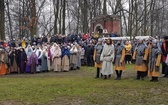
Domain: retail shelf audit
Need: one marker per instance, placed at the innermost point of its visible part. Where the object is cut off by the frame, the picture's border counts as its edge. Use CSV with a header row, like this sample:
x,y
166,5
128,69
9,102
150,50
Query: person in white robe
x,y
56,57
73,57
107,57
38,52
78,56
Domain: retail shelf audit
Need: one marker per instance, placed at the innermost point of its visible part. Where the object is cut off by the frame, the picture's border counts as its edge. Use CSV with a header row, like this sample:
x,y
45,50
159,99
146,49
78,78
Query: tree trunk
x,y
33,28
60,18
2,20
63,17
152,16
85,16
145,16
78,16
104,8
56,11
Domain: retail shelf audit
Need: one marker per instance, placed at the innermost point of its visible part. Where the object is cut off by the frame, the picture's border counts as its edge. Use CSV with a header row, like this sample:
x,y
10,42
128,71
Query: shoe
x,y
116,78
105,77
137,78
151,80
119,78
96,77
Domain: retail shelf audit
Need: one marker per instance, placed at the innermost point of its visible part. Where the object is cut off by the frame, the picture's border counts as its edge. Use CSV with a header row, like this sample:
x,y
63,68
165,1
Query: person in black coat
x,y
89,54
22,60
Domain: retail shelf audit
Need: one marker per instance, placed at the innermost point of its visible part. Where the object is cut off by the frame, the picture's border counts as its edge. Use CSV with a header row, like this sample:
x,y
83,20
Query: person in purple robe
x,y
32,63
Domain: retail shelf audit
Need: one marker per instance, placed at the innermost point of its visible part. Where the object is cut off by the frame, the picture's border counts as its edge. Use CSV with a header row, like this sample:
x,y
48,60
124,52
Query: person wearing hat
x,y
154,61
119,63
140,56
96,56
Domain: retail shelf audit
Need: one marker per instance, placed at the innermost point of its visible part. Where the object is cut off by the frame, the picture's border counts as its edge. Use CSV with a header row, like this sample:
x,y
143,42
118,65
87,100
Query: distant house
x,y
105,25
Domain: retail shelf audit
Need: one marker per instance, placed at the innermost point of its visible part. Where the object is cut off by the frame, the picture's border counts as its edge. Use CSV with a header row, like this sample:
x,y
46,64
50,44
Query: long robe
x,y
107,57
57,59
65,59
78,64
49,60
3,63
39,55
164,49
44,66
23,59
32,62
13,62
73,57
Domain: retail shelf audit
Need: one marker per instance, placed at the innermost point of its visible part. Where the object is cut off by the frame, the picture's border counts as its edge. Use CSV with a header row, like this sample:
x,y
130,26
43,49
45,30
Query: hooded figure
x,y
56,57
154,61
44,58
119,59
23,60
32,62
73,57
13,61
140,56
96,56
65,58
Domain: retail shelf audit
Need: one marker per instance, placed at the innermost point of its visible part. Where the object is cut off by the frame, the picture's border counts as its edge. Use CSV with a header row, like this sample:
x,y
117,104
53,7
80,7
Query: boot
x,y
142,75
152,79
101,75
109,76
117,74
105,77
98,72
138,75
120,73
155,79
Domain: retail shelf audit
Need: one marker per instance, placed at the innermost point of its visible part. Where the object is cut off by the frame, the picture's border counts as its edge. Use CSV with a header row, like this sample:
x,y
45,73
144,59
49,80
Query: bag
x,y
166,60
97,59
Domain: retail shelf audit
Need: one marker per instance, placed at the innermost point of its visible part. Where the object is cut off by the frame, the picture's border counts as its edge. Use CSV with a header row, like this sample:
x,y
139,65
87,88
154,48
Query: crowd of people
x,y
64,53
147,55
43,54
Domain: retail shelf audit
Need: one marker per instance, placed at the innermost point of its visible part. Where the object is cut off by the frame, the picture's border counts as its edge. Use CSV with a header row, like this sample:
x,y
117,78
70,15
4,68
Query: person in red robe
x,y
164,48
3,62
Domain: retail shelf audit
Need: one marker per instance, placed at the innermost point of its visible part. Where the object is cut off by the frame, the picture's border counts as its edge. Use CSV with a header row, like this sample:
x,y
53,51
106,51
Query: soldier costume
x,y
119,59
96,56
154,61
140,56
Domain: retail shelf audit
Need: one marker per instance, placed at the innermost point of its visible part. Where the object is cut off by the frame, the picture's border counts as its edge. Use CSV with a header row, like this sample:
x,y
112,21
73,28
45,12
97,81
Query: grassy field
x,y
79,87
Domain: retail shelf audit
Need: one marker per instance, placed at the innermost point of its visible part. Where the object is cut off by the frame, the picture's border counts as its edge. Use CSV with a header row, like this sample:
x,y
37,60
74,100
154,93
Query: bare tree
x,y
2,20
